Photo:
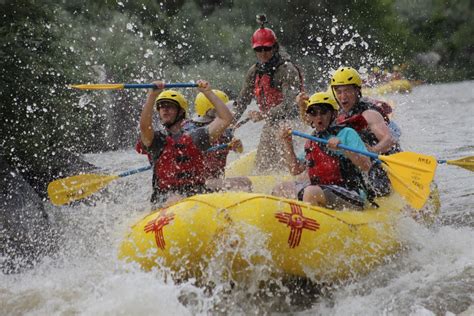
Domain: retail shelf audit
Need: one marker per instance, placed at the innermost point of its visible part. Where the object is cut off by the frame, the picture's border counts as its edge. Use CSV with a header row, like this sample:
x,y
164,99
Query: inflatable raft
x,y
395,86
244,231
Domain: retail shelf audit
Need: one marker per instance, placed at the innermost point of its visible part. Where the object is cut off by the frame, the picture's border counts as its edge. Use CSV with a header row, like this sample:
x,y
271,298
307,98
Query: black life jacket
x,y
356,120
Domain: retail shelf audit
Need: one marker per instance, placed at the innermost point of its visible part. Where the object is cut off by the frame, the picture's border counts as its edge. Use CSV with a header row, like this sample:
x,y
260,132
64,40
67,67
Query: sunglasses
x,y
315,111
166,105
262,49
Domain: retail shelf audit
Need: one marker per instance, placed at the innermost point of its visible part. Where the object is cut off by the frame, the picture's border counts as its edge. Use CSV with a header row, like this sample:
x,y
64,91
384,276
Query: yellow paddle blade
x,y
411,175
74,188
466,163
103,86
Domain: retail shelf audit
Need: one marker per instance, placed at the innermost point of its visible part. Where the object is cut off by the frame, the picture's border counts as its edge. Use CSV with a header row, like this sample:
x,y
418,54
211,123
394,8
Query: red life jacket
x,y
266,95
323,168
355,119
266,91
179,165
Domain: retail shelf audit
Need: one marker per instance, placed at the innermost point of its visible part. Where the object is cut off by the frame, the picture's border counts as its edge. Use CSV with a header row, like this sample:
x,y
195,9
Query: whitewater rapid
x,y
434,275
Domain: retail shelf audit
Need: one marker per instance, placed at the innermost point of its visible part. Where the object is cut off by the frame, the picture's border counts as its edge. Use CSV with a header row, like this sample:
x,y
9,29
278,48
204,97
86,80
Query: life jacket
x,y
266,90
266,95
383,107
215,161
325,167
180,165
356,120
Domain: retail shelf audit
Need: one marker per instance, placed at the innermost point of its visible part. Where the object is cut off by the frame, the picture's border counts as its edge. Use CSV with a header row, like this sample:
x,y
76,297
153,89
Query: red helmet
x,y
263,37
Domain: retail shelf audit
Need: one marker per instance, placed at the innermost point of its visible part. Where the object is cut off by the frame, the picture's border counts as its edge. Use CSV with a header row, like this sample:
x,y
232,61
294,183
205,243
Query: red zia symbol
x,y
297,222
156,226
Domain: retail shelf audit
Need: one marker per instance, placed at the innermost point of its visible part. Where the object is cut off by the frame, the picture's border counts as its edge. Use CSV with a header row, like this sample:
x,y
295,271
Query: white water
x,y
433,276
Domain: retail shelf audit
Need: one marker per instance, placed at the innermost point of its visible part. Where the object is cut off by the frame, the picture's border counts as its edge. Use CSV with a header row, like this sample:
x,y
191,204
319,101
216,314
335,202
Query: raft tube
x,y
287,236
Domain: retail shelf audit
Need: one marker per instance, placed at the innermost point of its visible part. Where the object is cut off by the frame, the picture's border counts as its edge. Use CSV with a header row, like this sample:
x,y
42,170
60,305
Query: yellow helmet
x,y
345,76
325,97
202,103
173,96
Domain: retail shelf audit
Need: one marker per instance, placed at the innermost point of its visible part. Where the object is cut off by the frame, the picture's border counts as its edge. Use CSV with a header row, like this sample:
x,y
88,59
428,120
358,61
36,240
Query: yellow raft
x,y
245,230
395,86
242,232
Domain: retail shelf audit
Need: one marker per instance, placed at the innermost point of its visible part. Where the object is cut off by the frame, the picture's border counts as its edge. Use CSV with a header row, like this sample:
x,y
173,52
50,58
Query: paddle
x,y
66,190
410,173
117,86
466,162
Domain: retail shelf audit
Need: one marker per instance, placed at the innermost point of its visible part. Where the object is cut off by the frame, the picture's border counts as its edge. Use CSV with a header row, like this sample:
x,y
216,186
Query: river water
x,y
434,275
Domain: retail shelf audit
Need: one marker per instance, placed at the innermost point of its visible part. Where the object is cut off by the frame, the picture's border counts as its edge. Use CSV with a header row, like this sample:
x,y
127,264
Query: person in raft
x,y
368,120
178,155
334,177
216,160
274,81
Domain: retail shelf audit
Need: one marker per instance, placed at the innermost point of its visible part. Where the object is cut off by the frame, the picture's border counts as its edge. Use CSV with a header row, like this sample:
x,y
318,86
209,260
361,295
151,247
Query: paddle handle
x,y
324,141
133,171
151,85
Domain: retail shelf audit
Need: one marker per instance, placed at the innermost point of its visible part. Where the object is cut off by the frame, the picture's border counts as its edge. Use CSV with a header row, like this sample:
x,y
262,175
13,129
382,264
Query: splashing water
x,y
432,275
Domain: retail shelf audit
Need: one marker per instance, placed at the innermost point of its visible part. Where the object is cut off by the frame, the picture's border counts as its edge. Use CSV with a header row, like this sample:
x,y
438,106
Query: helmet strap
x,y
179,117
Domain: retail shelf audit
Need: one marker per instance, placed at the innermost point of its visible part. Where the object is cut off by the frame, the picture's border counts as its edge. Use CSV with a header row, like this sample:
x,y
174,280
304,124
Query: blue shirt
x,y
348,137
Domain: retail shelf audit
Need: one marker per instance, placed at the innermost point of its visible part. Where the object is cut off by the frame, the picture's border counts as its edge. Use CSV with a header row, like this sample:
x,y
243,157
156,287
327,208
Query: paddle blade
x,y
411,175
104,86
74,188
466,163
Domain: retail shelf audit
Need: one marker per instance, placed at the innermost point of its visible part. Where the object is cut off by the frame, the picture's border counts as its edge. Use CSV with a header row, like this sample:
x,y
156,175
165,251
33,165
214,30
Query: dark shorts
x,y
337,197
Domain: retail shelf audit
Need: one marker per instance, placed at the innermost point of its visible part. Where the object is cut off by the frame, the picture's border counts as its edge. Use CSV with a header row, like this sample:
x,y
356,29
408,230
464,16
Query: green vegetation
x,y
46,45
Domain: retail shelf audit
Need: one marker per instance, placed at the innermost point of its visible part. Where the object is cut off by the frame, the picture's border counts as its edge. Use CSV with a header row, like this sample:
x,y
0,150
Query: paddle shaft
x,y
119,86
324,141
133,171
151,85
465,162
